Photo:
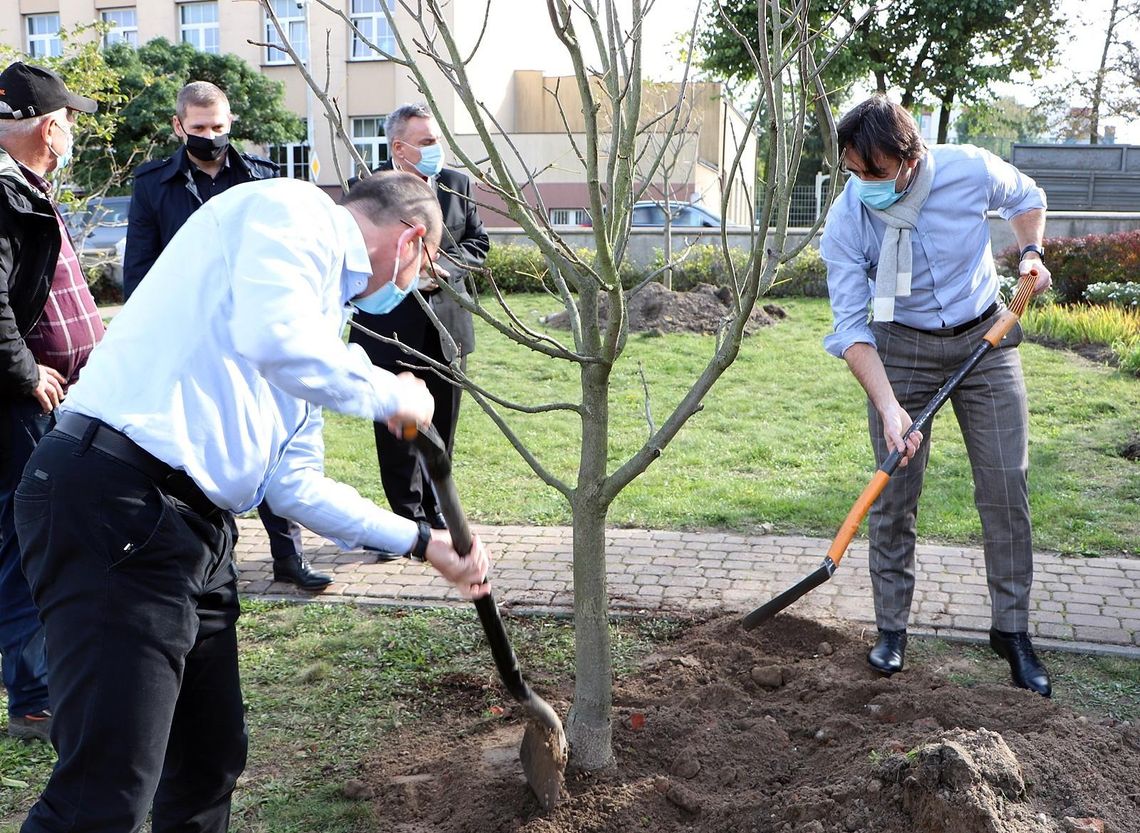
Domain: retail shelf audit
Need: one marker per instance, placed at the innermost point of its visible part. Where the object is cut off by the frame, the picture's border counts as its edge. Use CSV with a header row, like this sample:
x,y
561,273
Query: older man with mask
x,y
135,579
48,326
416,147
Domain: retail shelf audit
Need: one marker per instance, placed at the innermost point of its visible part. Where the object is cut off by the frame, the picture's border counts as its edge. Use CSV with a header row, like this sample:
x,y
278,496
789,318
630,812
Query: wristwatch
x,y
418,552
1035,249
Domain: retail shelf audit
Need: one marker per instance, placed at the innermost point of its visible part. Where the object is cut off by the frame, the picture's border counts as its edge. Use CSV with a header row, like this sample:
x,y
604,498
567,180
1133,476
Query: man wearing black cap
x,y
48,325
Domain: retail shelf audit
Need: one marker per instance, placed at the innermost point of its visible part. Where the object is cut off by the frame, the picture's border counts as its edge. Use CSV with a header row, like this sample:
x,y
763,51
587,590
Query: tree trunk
x,y
944,116
1098,89
588,727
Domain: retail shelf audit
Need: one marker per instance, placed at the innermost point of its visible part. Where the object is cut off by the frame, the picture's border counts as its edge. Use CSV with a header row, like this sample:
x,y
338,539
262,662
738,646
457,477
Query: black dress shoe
x,y
383,556
1026,670
887,655
296,570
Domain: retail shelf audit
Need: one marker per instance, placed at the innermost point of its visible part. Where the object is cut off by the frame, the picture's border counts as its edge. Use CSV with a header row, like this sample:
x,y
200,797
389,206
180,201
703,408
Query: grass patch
x,y
782,440
324,683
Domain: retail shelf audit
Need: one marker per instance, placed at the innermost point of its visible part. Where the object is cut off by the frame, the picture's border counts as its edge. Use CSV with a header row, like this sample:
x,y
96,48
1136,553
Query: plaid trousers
x,y
991,409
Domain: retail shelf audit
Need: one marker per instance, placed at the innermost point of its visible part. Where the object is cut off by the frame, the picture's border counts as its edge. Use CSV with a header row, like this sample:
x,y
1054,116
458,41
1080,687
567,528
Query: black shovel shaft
x,y
801,588
430,445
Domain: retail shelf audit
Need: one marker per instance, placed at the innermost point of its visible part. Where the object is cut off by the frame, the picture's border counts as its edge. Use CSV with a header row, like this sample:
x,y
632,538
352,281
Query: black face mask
x,y
208,150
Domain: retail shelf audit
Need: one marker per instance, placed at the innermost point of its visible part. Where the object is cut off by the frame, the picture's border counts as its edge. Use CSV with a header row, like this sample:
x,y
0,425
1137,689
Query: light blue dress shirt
x,y
222,360
954,279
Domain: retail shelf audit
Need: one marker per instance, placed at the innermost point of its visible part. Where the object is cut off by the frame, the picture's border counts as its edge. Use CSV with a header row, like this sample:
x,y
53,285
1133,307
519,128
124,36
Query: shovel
x,y
544,748
850,526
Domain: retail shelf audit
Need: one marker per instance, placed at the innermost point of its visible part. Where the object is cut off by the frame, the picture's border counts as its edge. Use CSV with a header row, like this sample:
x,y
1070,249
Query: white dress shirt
x,y
225,355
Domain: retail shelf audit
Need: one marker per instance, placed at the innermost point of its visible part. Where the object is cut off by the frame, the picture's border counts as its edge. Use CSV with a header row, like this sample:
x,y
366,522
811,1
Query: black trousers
x,y
284,534
137,592
406,483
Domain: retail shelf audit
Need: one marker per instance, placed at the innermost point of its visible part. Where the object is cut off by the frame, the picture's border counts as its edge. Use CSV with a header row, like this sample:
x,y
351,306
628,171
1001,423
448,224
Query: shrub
x,y
522,268
515,269
1078,262
702,263
1120,294
805,275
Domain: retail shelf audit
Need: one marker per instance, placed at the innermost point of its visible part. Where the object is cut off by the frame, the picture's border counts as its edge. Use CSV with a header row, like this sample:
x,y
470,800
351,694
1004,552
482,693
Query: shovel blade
x,y
543,754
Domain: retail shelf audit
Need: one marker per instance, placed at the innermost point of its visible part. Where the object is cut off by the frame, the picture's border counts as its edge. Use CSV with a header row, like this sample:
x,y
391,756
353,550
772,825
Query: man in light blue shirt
x,y
205,400
908,242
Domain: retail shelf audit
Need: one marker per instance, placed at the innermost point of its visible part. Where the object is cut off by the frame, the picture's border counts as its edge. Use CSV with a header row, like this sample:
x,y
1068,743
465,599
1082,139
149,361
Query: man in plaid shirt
x,y
48,326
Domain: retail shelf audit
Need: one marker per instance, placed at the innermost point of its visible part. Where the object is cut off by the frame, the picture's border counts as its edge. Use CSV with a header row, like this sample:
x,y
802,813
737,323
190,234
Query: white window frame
x,y
369,18
374,148
125,26
295,161
569,216
198,33
292,17
45,43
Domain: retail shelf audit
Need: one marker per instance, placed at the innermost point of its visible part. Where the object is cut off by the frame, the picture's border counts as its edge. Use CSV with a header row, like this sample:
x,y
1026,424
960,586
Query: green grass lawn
x,y
782,440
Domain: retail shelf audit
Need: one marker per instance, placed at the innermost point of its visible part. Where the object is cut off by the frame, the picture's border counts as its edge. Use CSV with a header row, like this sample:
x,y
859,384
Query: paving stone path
x,y
1078,604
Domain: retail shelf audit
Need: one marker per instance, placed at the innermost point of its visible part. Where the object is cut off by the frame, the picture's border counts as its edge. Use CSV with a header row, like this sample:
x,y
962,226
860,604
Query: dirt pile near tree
x,y
704,309
781,730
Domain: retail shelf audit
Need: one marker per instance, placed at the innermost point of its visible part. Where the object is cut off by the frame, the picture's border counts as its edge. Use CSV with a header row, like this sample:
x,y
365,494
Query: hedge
x,y
520,268
1078,262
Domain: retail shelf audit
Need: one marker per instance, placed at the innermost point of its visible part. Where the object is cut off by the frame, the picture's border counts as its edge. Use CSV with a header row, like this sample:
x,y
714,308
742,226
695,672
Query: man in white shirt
x,y
126,509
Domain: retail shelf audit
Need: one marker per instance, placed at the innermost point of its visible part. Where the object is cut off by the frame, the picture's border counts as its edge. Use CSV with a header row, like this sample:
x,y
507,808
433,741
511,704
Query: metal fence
x,y
806,203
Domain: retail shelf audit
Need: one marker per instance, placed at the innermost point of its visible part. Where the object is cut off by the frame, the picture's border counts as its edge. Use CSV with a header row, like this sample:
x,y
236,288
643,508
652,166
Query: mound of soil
x,y
779,730
704,309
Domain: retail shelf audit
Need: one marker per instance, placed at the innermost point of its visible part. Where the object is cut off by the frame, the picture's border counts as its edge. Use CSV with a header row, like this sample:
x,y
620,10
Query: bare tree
x,y
605,50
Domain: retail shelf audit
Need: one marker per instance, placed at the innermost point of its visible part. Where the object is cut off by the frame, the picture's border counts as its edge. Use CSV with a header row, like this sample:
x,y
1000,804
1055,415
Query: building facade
x,y
518,75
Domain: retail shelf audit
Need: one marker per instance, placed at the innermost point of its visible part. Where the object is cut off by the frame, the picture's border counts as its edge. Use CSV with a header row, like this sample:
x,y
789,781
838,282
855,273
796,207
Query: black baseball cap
x,y
33,91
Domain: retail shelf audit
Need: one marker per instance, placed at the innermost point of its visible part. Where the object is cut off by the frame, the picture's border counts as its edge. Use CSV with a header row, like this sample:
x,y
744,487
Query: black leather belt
x,y
960,328
99,435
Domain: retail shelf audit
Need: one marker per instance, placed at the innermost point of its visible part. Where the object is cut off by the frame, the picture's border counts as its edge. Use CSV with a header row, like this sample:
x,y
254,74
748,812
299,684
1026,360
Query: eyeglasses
x,y
430,261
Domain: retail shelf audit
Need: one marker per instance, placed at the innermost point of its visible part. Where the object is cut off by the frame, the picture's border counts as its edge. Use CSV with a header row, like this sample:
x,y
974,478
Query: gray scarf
x,y
892,279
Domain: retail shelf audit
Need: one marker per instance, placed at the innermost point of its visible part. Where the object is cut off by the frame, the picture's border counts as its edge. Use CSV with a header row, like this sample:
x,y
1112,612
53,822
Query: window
x,y
198,26
43,36
292,160
125,25
569,217
368,17
368,138
291,16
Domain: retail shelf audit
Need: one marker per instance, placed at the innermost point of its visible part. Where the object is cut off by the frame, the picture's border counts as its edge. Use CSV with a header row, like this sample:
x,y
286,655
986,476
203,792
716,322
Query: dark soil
x,y
779,730
704,309
1095,353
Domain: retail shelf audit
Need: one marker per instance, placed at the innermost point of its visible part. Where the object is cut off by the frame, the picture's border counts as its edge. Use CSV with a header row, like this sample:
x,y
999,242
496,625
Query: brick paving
x,y
1078,604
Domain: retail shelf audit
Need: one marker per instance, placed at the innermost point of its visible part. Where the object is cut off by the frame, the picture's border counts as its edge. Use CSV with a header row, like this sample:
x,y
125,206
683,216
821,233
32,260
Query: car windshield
x,y
108,211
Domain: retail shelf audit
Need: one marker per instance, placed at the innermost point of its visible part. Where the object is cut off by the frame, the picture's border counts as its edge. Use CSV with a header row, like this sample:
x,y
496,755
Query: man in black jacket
x,y
48,326
166,192
414,141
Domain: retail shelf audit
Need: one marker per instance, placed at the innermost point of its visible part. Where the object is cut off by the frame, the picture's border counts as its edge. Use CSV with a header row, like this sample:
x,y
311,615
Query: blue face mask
x,y
62,160
431,160
388,297
878,195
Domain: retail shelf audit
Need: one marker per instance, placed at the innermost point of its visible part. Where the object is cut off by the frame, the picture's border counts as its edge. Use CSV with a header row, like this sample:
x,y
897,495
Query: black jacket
x,y
465,241
29,249
162,200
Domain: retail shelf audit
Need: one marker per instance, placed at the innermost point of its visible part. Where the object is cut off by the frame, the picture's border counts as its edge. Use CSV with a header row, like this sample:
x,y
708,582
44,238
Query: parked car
x,y
685,215
99,232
